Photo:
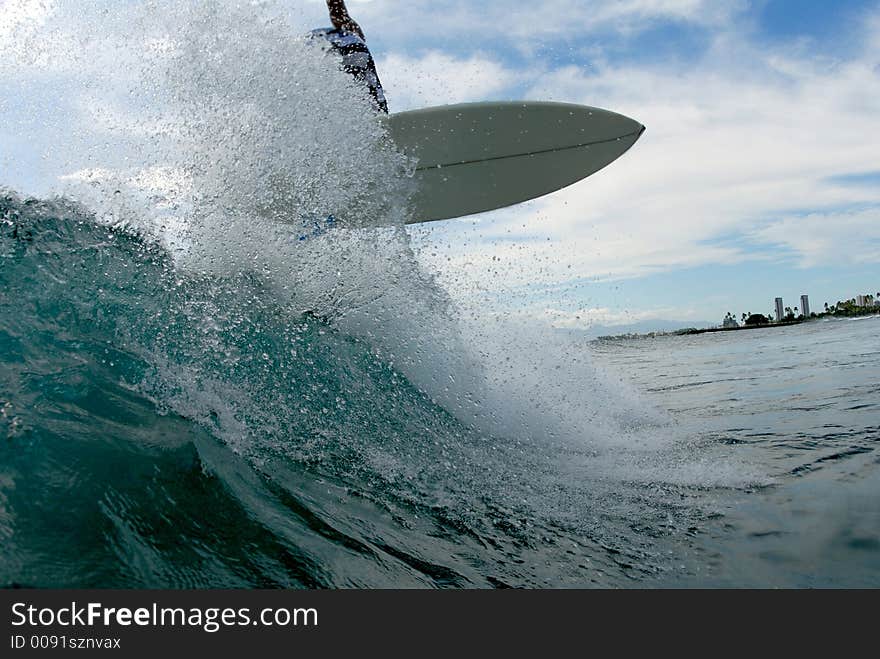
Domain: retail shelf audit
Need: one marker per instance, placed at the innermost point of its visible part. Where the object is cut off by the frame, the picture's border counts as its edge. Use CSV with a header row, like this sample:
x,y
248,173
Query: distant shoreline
x,y
782,323
689,331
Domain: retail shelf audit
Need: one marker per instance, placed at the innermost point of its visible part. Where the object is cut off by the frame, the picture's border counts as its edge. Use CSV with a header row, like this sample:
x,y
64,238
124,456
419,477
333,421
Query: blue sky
x,y
758,176
823,22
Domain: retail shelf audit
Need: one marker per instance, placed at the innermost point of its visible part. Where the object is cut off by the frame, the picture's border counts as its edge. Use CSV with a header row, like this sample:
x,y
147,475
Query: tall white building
x,y
861,300
805,305
780,311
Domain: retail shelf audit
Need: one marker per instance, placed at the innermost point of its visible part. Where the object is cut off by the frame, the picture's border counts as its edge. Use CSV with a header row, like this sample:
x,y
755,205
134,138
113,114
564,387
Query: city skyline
x,y
804,308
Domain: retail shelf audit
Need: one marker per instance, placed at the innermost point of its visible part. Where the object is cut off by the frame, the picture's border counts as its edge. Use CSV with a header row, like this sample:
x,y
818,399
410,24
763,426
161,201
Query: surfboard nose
x,y
630,129
642,129
614,123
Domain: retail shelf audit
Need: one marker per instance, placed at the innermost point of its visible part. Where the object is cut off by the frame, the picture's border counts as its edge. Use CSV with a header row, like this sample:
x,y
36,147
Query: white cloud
x,y
823,238
586,318
436,78
596,319
502,20
486,262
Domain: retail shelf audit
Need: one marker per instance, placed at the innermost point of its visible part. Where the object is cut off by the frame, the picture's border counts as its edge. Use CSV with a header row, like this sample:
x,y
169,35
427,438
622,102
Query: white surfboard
x,y
477,157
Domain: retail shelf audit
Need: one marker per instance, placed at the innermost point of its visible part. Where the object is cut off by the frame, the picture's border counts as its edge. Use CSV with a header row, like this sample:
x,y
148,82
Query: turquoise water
x,y
170,429
162,428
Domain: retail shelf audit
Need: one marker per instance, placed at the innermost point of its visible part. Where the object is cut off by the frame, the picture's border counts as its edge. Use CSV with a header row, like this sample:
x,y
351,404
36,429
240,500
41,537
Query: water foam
x,y
238,133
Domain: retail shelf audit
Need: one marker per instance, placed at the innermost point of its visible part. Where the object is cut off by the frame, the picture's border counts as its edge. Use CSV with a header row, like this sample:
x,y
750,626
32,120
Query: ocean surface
x,y
164,429
199,389
804,403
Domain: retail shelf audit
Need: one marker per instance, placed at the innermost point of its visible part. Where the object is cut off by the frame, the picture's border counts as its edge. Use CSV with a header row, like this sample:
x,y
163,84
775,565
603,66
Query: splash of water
x,y
234,132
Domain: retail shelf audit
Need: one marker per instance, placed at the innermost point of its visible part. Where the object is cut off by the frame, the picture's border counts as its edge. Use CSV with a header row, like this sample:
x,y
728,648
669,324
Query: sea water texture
x,y
192,396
